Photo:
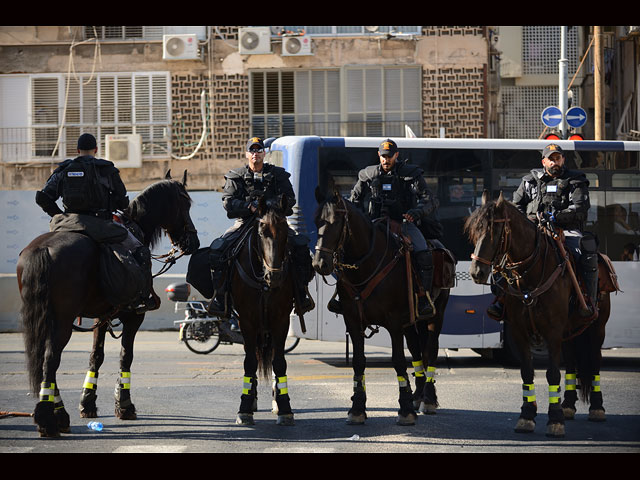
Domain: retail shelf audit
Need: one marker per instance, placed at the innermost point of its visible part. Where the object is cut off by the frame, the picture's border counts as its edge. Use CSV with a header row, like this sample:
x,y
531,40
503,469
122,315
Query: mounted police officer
x,y
397,190
561,196
91,191
242,189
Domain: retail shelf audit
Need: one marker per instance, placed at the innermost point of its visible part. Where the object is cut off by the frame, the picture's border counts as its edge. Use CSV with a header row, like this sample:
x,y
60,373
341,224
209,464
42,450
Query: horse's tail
x,y
36,313
585,365
264,352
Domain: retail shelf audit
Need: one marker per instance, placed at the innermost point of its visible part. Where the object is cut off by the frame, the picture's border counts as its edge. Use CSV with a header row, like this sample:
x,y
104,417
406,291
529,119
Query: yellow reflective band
x,y
91,380
246,385
358,383
554,393
402,381
47,392
528,392
431,372
125,380
281,385
595,383
418,368
570,381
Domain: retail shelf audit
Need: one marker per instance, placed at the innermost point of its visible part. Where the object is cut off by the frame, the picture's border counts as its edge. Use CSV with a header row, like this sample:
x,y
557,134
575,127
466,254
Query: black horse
x,y
262,292
58,278
541,303
371,267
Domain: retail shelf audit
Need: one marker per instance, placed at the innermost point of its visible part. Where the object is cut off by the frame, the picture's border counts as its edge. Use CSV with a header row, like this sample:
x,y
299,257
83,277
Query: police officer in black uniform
x,y
243,186
398,190
114,195
92,186
560,196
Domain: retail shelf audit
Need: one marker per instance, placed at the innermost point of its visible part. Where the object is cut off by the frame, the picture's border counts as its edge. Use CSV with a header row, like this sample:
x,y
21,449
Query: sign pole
x,y
562,82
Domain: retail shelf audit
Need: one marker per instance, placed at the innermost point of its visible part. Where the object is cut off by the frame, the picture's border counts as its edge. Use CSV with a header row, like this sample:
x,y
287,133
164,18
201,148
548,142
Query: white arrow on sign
x,y
576,117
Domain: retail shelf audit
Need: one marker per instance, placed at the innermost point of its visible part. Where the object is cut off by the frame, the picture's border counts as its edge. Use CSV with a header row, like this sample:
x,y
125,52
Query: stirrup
x,y
334,306
495,311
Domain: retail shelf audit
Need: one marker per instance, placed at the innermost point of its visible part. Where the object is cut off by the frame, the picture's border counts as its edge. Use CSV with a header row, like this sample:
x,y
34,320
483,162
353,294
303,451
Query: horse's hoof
x,y
428,408
285,420
597,416
555,430
48,432
525,426
353,419
245,419
274,407
569,413
409,419
126,414
88,414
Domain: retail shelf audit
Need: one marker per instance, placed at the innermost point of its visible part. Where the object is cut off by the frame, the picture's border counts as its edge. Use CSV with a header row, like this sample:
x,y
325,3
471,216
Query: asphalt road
x,y
187,404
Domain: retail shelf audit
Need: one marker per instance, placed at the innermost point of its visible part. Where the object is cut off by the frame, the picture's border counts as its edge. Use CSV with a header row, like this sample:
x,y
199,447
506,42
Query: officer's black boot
x,y
334,306
424,259
496,309
218,306
303,271
589,267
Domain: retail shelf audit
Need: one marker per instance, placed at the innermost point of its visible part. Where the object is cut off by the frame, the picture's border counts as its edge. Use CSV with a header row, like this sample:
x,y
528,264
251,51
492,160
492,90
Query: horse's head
x,y
272,234
486,228
178,223
331,222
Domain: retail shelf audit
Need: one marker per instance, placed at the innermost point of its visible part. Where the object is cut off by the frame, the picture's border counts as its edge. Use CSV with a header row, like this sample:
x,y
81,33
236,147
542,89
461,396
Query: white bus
x,y
457,171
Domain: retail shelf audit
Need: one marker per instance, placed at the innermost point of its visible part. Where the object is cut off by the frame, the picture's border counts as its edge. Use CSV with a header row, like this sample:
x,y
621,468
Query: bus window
x,y
621,222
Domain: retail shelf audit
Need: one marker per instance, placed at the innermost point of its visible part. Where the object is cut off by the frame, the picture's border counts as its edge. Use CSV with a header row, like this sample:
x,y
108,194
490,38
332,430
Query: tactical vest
x,y
390,196
82,191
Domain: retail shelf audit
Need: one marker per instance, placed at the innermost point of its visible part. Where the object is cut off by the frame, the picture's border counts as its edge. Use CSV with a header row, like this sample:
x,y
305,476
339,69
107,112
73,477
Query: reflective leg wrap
x,y
570,382
554,394
280,386
57,400
402,382
595,383
91,380
358,384
528,392
431,374
418,368
47,392
123,387
249,385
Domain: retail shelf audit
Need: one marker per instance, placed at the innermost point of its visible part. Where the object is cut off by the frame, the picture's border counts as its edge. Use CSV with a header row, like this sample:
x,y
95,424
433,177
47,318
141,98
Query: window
x,y
350,30
104,104
377,101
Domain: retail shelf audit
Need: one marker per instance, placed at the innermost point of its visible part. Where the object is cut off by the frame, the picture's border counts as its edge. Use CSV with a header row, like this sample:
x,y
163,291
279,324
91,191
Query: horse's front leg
x,y
249,397
358,412
555,424
528,411
429,403
416,336
124,408
281,400
88,407
406,413
570,380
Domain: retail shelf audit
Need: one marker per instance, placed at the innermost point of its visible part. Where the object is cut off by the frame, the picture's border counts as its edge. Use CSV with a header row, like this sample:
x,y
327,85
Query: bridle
x,y
510,270
265,264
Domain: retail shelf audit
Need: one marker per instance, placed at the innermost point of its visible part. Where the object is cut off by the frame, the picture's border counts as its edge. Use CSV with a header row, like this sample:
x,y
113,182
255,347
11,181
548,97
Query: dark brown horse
x,y
373,289
541,303
58,278
262,290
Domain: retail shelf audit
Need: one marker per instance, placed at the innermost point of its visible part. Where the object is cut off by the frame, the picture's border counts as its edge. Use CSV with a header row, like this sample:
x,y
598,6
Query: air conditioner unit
x,y
254,40
125,151
180,47
296,46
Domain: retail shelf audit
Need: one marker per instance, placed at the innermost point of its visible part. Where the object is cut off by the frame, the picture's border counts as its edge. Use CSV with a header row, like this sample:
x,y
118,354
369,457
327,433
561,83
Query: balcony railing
x,y
279,127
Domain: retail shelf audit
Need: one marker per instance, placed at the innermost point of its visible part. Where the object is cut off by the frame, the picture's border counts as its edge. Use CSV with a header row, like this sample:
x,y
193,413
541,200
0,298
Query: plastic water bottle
x,y
97,426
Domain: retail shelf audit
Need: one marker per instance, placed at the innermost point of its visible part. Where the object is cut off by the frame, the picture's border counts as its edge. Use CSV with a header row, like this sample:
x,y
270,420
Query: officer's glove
x,y
415,214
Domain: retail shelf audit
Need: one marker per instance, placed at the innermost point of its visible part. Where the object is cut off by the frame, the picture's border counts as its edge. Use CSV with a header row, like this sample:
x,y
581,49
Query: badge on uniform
x,y
552,188
75,174
386,187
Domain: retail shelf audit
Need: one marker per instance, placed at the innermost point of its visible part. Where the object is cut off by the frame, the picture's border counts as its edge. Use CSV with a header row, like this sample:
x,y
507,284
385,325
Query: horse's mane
x,y
479,222
152,204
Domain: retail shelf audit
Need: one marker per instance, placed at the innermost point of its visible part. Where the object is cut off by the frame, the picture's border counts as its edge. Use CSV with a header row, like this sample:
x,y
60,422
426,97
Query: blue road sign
x,y
551,116
576,117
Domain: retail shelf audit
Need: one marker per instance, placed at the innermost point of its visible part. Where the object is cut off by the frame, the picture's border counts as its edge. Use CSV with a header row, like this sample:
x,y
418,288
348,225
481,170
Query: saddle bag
x,y
444,268
607,276
199,272
122,280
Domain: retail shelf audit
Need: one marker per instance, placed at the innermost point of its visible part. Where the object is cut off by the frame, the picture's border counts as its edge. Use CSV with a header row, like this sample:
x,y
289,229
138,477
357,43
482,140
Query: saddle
x,y
123,280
